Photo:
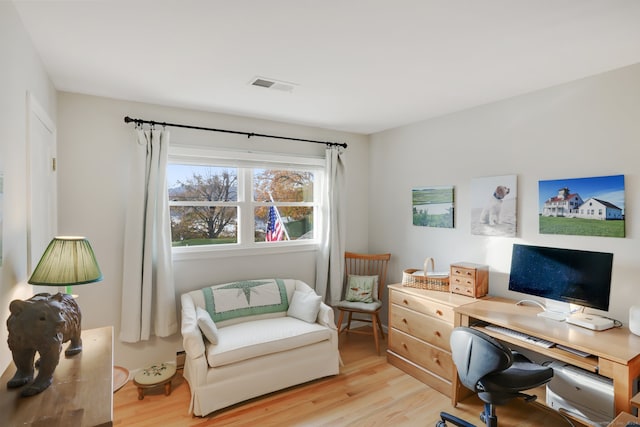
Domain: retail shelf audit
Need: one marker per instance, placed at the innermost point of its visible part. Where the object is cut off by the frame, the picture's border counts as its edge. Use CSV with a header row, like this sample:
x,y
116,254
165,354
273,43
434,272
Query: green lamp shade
x,y
68,260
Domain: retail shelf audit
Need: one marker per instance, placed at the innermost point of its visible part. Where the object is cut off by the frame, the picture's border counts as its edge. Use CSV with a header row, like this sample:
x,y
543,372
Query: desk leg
x,y
458,320
622,384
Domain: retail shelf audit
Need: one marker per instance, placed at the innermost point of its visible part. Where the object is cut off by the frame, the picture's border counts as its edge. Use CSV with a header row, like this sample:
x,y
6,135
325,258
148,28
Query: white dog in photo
x,y
491,212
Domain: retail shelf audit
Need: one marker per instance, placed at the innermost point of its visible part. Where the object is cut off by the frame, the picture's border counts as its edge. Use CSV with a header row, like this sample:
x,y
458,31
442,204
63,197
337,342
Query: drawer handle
x,y
405,302
436,361
404,320
438,334
457,271
468,273
439,312
404,345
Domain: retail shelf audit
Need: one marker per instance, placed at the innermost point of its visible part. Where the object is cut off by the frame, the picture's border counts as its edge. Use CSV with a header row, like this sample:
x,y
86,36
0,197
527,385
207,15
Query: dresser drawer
x,y
463,273
421,326
433,359
462,281
463,289
422,305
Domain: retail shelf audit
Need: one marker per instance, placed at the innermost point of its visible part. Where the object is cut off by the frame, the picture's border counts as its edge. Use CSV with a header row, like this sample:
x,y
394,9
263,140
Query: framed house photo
x,y
493,205
582,206
433,206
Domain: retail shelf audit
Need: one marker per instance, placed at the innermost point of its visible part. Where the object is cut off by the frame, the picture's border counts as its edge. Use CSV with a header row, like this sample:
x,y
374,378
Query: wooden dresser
x,y
420,325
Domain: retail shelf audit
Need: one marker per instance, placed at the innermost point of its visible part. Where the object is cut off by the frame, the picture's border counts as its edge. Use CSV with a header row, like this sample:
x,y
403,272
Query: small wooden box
x,y
469,279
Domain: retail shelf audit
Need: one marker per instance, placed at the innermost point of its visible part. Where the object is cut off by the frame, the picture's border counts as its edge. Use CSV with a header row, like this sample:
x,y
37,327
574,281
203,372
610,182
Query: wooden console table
x,y
615,353
81,393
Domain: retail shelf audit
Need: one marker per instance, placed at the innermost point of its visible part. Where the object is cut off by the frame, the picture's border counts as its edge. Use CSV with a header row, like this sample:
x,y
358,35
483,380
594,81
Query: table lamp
x,y
44,322
67,261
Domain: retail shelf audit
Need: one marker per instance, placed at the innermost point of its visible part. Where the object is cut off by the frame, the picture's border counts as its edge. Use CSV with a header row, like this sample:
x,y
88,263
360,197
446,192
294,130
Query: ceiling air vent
x,y
273,84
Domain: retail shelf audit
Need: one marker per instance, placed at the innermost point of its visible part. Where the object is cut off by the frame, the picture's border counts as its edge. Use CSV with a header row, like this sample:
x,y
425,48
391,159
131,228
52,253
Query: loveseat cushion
x,y
247,340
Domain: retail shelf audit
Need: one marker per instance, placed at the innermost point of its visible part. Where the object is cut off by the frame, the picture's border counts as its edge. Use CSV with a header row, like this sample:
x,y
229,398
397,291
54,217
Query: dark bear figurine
x,y
42,323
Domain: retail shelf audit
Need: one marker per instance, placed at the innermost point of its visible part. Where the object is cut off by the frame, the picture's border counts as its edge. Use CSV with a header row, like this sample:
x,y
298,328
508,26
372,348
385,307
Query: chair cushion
x,y
257,338
360,306
361,288
522,375
305,306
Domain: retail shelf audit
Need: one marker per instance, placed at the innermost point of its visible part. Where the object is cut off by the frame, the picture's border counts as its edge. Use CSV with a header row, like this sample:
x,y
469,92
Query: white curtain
x,y
148,291
330,264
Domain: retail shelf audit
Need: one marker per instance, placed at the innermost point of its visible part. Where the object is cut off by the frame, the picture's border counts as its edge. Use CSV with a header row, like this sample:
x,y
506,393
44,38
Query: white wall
x,y
590,125
94,146
585,128
20,71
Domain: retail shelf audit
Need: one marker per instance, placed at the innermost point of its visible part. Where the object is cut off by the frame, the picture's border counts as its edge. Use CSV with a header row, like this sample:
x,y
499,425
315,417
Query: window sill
x,y
202,252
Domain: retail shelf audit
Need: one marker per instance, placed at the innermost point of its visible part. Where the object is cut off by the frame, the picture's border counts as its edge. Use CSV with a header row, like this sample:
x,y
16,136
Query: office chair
x,y
365,265
492,370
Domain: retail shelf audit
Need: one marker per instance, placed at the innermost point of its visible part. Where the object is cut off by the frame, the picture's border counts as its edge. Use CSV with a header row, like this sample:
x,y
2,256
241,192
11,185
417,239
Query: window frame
x,y
247,162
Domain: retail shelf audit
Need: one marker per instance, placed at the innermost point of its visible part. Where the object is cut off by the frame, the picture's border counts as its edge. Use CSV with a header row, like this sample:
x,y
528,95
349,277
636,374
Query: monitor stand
x,y
559,316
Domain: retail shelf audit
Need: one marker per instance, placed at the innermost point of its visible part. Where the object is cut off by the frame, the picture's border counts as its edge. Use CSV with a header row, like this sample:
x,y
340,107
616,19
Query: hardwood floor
x,y
367,392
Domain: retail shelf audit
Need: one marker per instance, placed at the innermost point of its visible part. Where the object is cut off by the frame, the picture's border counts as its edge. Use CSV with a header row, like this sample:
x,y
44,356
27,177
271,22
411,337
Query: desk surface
x,y
81,393
617,344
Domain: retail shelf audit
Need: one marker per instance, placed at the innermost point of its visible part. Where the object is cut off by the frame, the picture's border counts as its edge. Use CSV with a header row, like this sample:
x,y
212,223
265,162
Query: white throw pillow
x,y
305,306
207,326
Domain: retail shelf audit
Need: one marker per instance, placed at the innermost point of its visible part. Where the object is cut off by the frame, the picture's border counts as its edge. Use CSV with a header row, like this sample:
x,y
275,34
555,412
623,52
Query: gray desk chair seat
x,y
492,370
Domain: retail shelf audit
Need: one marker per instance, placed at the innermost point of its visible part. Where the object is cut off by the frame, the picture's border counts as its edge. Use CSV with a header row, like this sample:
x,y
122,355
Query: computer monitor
x,y
567,275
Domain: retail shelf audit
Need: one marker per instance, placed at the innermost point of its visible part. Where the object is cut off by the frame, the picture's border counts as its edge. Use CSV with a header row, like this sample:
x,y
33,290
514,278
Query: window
x,y
227,200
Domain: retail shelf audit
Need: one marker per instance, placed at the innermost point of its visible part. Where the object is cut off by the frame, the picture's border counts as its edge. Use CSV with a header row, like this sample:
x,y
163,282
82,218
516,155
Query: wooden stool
x,y
155,375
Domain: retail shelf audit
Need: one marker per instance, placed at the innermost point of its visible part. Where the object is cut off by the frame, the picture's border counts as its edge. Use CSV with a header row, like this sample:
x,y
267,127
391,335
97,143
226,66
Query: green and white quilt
x,y
245,298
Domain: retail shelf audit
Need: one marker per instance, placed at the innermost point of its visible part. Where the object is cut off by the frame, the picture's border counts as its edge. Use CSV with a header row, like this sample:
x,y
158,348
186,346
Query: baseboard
x,y
180,357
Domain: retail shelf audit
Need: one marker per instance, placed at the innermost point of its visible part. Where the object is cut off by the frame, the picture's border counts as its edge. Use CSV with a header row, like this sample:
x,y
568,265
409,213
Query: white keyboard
x,y
520,336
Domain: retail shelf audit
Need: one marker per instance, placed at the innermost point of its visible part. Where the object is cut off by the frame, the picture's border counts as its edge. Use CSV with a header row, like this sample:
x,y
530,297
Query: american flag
x,y
275,228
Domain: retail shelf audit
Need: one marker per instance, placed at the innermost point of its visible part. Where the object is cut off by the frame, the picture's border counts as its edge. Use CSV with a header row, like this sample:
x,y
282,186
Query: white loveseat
x,y
261,336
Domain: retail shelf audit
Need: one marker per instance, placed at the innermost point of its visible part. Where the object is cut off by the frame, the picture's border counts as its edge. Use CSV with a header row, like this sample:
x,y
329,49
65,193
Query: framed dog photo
x,y
493,205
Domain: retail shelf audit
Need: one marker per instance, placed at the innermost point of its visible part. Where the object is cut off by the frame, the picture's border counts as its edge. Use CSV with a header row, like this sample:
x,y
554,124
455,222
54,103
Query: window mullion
x,y
245,208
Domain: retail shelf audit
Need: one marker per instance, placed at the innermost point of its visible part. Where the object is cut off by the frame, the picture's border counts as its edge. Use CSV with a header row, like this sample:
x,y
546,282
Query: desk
x,y
615,352
81,393
623,419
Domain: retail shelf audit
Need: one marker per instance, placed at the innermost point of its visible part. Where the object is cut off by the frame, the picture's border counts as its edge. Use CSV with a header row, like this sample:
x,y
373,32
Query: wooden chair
x,y
364,265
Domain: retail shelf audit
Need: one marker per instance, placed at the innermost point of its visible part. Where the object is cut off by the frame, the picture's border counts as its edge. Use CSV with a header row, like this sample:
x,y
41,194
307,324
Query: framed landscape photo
x,y
582,206
493,205
433,206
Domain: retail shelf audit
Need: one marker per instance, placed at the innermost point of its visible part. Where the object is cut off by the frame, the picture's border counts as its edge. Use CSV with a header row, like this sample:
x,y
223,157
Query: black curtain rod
x,y
140,122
